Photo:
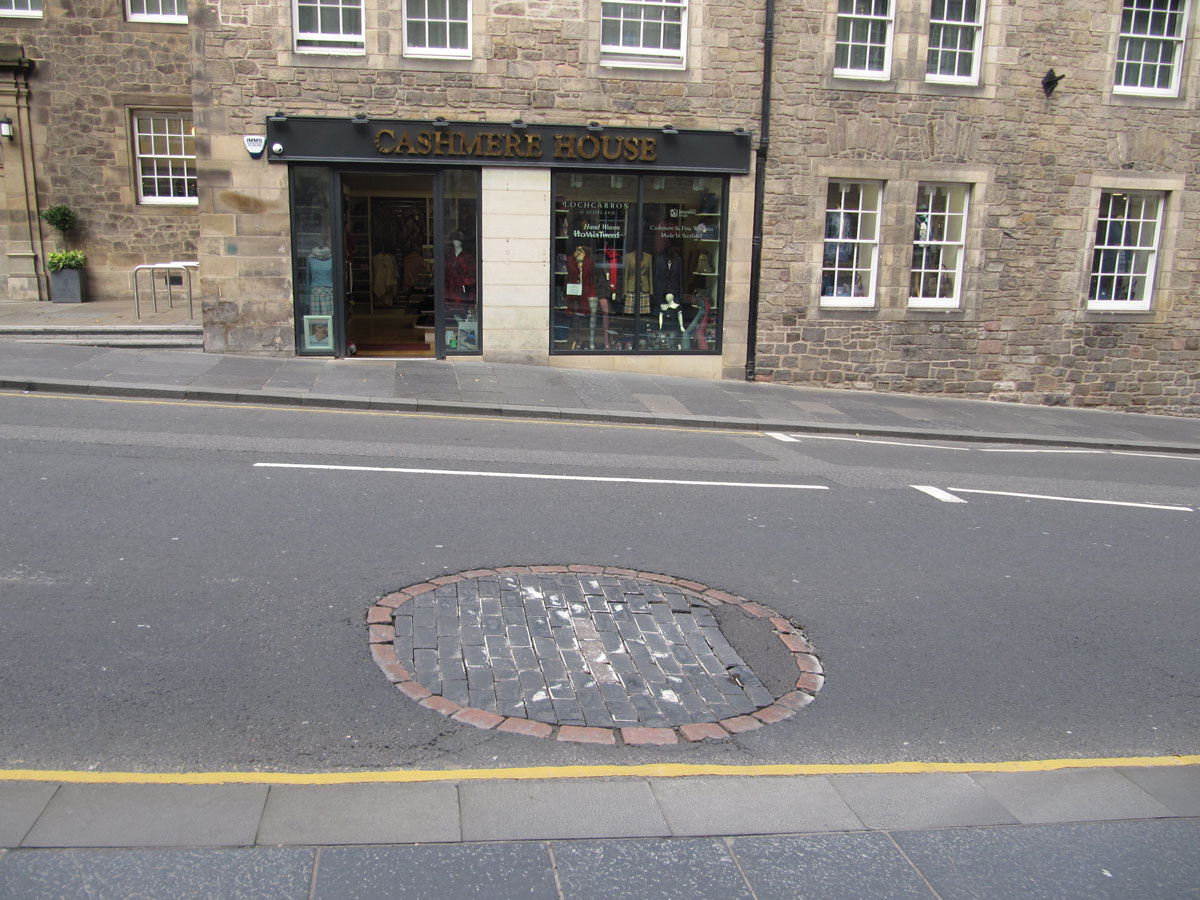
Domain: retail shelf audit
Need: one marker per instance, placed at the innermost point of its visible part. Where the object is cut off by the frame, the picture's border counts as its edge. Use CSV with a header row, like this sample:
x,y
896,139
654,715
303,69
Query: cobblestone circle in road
x,y
582,653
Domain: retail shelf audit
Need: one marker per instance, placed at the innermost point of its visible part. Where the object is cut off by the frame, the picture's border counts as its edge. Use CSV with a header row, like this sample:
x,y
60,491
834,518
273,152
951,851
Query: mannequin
x,y
638,283
668,274
668,290
693,319
414,269
670,317
385,278
320,281
460,276
605,291
581,293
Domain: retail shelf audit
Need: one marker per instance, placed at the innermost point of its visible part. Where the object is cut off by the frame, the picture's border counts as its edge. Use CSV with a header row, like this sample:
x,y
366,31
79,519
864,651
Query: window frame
x,y
31,13
173,19
325,43
1111,304
1180,42
885,72
439,52
190,170
852,301
955,300
641,56
976,54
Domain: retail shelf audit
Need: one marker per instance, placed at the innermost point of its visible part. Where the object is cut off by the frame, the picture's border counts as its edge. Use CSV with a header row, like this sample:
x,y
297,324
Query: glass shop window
x,y
637,263
461,217
312,250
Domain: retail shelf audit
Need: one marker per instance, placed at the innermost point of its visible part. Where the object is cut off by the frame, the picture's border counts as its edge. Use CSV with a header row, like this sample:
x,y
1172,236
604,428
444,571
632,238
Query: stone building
x,y
987,199
983,198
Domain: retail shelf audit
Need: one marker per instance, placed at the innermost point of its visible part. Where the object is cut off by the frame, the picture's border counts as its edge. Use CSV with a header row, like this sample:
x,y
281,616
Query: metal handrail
x,y
181,266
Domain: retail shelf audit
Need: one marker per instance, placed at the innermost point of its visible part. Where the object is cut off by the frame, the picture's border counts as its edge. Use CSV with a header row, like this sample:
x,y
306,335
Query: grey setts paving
x,y
636,653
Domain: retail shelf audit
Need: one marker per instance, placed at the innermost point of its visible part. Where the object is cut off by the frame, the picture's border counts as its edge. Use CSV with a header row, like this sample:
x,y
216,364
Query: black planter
x,y
66,286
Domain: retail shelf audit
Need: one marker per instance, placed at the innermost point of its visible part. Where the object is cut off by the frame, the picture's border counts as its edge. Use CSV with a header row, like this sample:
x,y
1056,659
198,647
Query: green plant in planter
x,y
66,266
61,218
67,259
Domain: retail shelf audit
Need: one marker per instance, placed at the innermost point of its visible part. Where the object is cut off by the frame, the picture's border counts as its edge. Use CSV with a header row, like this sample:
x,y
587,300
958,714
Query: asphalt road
x,y
168,603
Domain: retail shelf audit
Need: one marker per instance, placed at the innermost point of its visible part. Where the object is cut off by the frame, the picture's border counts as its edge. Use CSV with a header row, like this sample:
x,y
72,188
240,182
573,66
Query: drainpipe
x,y
760,182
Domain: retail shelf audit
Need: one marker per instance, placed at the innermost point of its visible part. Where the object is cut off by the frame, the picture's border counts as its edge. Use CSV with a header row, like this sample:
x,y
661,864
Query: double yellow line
x,y
651,770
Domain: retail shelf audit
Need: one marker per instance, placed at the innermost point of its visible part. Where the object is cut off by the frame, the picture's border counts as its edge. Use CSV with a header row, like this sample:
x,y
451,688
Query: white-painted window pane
x,y
157,10
939,231
955,32
863,36
437,27
650,28
166,158
1151,46
851,243
1126,250
23,8
329,25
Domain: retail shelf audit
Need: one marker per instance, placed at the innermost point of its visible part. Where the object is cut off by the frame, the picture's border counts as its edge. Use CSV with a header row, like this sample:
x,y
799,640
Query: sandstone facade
x,y
91,72
1034,163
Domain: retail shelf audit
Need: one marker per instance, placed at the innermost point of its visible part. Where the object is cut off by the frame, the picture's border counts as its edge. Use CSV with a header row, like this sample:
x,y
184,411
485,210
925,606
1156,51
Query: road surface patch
x,y
585,654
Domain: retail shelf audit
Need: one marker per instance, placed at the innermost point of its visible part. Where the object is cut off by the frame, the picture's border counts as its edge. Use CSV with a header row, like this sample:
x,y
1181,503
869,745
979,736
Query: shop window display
x,y
460,212
313,259
636,263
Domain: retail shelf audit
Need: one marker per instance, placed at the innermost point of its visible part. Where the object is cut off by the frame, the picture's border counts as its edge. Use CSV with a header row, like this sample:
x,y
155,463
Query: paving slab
x,y
662,404
545,810
235,381
695,806
360,814
1177,787
1076,795
194,874
21,802
514,871
149,815
376,383
180,366
153,378
1152,860
919,801
98,366
294,377
829,867
535,397
684,868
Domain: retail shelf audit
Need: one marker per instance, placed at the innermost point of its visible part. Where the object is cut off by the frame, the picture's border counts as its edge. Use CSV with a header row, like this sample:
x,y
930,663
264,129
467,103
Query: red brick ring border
x,y
382,633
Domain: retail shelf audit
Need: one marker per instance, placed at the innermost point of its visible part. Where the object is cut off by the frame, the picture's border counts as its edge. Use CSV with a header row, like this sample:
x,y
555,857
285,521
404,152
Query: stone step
x,y
145,336
99,341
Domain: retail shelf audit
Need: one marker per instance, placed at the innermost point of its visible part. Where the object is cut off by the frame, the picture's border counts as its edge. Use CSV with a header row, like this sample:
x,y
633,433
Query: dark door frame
x,y
438,239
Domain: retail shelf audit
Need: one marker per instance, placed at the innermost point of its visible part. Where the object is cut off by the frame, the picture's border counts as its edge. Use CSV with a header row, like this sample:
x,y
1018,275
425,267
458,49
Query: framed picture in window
x,y
318,332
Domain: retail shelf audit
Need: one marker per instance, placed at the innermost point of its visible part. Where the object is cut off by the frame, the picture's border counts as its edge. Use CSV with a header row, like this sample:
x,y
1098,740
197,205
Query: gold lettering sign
x,y
472,148
564,147
385,141
495,145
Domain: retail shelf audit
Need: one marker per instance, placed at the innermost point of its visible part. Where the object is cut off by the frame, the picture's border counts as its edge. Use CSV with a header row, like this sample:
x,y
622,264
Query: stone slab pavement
x,y
473,387
1095,832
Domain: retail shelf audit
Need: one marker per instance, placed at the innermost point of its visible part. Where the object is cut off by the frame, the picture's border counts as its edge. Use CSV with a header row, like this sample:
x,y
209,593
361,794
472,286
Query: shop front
x,y
604,247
